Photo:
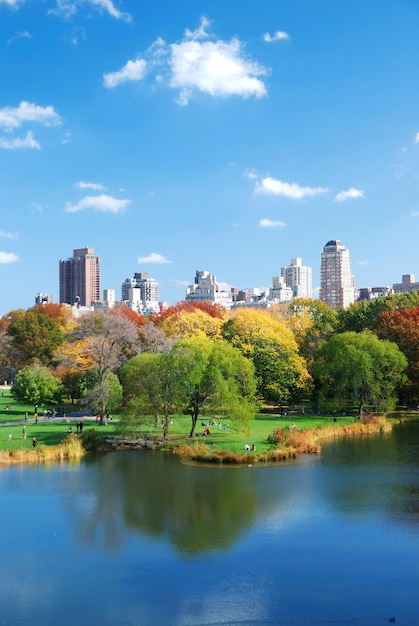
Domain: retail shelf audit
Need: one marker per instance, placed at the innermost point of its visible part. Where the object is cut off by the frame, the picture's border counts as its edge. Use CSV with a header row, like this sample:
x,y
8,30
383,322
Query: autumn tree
x,y
281,372
402,327
359,368
196,322
365,314
36,336
152,338
106,340
312,323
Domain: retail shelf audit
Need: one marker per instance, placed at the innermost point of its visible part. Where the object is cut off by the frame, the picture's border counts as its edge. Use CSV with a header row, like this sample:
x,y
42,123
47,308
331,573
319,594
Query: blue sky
x,y
227,136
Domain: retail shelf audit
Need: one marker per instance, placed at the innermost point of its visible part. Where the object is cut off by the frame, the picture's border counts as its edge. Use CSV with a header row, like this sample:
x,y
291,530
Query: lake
x,y
137,538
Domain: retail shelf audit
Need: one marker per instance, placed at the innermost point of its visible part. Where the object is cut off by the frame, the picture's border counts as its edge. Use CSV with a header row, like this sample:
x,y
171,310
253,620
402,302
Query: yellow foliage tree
x,y
195,323
280,370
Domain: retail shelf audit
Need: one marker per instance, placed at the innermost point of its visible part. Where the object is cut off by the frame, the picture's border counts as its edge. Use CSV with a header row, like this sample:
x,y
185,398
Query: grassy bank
x,y
273,437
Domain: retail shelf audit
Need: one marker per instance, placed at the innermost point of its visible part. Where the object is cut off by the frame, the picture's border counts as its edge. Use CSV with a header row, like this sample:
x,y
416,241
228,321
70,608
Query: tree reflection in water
x,y
197,509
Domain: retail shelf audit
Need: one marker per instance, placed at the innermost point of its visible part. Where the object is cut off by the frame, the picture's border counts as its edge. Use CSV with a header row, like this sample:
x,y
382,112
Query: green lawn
x,y
52,432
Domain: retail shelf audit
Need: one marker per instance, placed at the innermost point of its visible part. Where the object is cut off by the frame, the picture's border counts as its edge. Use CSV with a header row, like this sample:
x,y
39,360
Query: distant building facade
x,y
337,288
206,289
408,284
43,298
141,294
299,278
280,292
371,293
80,278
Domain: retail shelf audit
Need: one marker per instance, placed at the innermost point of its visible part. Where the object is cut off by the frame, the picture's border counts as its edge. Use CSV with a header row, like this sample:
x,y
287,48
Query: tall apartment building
x,y
337,288
141,293
206,289
299,278
80,278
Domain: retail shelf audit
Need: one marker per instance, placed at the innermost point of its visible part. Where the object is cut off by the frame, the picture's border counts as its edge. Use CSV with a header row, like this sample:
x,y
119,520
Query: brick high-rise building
x,y
80,278
337,287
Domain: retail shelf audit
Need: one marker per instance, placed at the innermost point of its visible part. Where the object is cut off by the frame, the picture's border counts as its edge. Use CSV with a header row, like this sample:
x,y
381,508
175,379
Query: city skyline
x,y
197,136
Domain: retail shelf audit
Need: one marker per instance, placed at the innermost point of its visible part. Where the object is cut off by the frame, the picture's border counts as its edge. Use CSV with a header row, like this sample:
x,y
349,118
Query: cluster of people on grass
x,y
252,447
79,427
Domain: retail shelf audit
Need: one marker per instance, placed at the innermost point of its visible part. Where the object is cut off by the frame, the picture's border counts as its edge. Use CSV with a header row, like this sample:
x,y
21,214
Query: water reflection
x,y
194,508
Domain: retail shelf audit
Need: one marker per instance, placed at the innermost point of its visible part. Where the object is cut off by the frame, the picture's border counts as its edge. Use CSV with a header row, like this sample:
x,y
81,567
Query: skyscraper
x,y
80,278
336,281
299,278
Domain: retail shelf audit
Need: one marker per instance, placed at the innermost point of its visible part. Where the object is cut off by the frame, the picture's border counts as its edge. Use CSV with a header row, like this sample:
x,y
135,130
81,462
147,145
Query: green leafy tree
x,y
198,374
152,383
218,378
36,384
360,369
366,314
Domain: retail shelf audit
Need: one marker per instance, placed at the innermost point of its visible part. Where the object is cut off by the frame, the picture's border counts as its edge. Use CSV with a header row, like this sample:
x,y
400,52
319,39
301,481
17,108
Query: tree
x,y
197,373
193,323
104,396
402,327
281,372
106,340
152,383
365,315
216,375
36,336
359,368
312,323
36,384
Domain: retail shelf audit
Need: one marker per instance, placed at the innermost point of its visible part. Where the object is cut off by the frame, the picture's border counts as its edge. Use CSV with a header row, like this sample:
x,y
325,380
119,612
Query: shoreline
x,y
198,452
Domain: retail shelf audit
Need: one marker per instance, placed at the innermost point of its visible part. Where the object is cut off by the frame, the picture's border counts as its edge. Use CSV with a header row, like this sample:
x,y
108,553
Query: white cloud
x,y
415,214
18,142
200,32
132,71
154,257
216,68
14,117
109,6
349,194
277,36
83,185
67,8
8,257
103,203
417,138
11,3
363,262
266,223
271,186
20,35
7,235
251,174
